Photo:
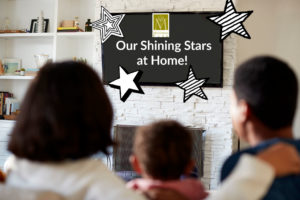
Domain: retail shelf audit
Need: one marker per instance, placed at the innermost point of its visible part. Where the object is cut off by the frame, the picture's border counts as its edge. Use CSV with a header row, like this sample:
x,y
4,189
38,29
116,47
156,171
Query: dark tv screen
x,y
193,41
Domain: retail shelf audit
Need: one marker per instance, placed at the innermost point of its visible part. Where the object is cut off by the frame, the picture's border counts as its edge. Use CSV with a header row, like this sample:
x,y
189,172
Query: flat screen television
x,y
193,41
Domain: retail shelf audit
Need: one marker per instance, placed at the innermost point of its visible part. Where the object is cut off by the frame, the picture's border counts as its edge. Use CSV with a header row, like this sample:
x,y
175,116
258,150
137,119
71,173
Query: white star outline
x,y
127,83
231,21
192,86
108,24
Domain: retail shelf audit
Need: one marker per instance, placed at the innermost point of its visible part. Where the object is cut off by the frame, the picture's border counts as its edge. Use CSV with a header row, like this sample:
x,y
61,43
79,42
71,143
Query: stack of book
x,y
68,29
3,100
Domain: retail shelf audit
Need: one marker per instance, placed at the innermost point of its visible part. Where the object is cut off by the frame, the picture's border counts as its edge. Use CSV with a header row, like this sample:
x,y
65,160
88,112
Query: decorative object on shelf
x,y
76,22
1,68
88,26
67,23
6,23
17,72
7,29
31,71
34,26
22,72
40,23
11,65
41,59
69,26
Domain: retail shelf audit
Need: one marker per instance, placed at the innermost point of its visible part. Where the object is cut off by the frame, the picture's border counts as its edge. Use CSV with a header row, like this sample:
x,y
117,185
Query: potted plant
x,y
22,72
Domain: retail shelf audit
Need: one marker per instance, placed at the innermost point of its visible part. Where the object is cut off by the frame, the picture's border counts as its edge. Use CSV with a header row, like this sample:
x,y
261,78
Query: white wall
x,y
166,102
275,30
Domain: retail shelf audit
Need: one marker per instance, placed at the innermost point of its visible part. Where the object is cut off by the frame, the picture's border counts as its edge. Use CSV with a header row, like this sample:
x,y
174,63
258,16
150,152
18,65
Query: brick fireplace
x,y
166,102
124,136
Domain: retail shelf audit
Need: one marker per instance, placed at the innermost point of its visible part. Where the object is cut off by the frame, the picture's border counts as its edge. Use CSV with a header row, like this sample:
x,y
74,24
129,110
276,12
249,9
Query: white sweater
x,y
83,179
90,179
250,180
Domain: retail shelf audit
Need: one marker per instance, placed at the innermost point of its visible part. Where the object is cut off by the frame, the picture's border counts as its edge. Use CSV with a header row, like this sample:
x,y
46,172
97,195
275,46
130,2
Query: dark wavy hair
x,y
66,114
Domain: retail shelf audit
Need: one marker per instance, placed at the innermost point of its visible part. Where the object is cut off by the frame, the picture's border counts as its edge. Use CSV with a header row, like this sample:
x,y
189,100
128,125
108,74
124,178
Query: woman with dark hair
x,y
65,118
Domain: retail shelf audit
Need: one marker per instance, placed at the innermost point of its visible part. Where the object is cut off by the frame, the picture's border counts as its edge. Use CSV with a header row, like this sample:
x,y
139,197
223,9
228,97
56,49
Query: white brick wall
x,y
167,102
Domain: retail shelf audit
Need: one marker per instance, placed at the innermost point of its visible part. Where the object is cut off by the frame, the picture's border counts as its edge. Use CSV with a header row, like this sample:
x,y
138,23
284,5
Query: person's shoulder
x,y
232,160
108,185
111,190
136,184
296,143
229,164
193,188
193,183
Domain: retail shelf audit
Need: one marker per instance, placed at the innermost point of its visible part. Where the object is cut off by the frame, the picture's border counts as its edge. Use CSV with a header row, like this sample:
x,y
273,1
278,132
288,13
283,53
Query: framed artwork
x,y
11,65
34,26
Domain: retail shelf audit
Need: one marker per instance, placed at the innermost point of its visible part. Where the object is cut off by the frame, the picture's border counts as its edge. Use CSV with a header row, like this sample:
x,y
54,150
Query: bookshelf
x,y
59,46
26,35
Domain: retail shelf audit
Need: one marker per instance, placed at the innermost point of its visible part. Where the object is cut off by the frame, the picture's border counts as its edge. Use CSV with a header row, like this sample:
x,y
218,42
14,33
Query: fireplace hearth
x,y
124,135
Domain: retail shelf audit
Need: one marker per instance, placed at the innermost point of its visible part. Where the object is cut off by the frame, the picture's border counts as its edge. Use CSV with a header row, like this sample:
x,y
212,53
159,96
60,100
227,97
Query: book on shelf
x,y
68,29
3,107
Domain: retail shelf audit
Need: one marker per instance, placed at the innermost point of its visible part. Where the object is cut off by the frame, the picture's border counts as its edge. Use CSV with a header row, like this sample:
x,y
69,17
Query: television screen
x,y
163,46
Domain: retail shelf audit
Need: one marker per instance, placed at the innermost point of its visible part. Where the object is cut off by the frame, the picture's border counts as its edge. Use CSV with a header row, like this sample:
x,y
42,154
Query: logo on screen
x,y
160,25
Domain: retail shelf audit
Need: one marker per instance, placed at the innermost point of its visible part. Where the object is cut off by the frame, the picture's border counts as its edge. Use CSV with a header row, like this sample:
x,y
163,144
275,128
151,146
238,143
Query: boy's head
x,y
265,93
162,150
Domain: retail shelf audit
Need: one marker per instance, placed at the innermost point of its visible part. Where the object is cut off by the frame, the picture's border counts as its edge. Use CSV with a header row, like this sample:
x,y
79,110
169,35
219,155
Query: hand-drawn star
x,y
192,86
108,24
231,21
127,83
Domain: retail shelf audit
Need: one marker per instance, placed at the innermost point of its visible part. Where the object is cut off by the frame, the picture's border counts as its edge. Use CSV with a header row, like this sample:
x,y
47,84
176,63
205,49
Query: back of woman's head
x,y
66,114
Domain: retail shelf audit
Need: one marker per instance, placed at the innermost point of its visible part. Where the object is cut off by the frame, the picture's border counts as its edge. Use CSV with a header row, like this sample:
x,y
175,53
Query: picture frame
x,y
34,28
10,65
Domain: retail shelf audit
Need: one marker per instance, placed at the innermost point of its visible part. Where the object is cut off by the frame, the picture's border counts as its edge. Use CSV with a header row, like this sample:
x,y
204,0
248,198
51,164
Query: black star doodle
x,y
192,86
231,21
108,25
127,83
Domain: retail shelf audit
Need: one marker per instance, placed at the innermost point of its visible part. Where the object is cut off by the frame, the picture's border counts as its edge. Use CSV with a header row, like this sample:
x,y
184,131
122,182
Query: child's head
x,y
265,94
66,114
162,150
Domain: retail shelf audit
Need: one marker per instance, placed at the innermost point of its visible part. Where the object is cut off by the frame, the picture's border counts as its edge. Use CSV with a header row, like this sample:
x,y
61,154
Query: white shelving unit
x,y
16,77
58,45
26,35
